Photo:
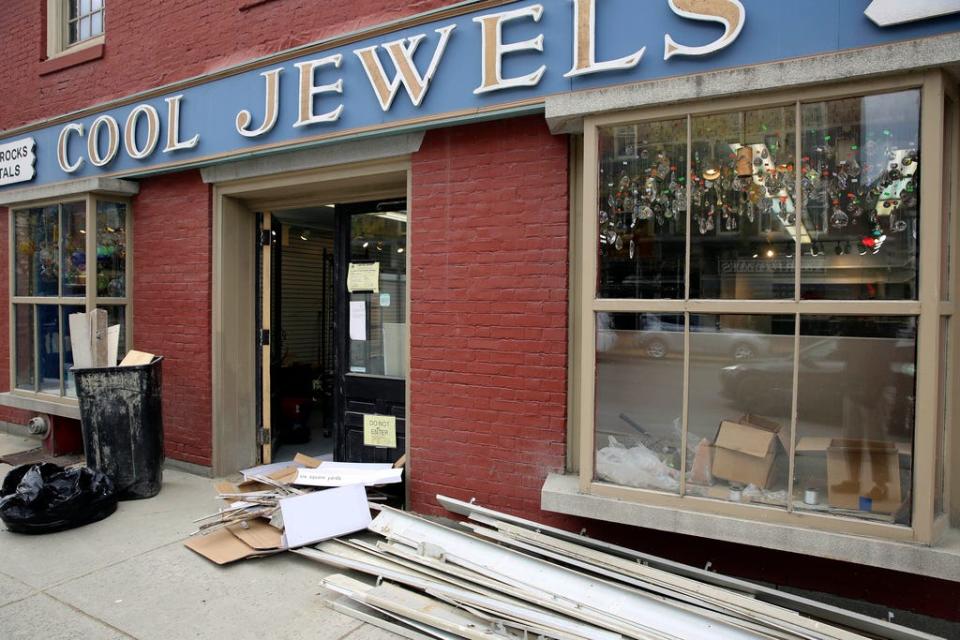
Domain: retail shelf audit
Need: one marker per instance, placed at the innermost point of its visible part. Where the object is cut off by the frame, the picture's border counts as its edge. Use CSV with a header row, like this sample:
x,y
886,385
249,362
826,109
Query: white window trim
x,y
57,45
925,527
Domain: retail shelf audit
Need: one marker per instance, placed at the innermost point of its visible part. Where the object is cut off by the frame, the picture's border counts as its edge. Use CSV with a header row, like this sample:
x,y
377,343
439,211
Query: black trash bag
x,y
43,498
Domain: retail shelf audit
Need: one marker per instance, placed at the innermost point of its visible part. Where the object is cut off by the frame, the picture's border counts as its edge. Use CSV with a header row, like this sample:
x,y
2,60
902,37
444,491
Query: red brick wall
x,y
171,293
488,314
149,44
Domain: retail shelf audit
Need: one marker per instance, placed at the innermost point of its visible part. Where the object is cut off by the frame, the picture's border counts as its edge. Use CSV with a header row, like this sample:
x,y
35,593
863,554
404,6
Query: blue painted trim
x,y
774,30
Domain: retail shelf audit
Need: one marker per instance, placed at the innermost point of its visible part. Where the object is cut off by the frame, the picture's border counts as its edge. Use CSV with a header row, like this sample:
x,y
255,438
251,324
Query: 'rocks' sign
x,y
501,60
16,161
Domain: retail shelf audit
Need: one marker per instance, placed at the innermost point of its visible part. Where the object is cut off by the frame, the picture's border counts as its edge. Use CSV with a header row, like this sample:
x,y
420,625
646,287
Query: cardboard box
x,y
863,475
745,451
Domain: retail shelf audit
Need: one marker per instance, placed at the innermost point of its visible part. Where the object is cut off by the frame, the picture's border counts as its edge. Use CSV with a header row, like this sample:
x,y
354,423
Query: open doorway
x,y
300,342
331,307
246,335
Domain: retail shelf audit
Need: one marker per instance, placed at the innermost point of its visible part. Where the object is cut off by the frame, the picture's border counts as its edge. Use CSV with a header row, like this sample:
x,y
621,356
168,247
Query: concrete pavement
x,y
129,576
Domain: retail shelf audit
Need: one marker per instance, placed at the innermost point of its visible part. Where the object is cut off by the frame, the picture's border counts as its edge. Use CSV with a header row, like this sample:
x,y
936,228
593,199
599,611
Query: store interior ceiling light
x,y
398,216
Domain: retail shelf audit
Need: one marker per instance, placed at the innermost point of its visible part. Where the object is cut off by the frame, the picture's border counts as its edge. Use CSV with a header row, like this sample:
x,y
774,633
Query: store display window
x,y
757,315
54,276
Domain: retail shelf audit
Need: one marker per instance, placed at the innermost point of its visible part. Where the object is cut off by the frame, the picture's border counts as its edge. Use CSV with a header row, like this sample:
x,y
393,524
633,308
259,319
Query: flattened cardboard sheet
x,y
258,534
220,547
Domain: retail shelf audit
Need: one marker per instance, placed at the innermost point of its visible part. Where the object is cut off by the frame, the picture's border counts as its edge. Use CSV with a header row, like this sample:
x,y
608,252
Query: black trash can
x,y
120,411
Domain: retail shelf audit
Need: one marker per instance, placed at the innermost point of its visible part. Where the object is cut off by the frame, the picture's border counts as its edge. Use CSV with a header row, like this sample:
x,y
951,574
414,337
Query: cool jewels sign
x,y
501,60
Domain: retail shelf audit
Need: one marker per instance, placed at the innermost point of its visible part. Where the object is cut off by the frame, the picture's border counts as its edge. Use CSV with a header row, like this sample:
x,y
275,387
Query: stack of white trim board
x,y
493,575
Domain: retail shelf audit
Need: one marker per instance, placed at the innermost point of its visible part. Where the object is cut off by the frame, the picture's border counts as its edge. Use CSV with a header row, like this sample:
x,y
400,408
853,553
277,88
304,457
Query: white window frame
x,y
926,526
89,301
58,30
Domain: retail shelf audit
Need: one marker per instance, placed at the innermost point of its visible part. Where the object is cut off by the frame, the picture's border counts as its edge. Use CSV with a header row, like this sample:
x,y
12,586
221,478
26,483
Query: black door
x,y
371,331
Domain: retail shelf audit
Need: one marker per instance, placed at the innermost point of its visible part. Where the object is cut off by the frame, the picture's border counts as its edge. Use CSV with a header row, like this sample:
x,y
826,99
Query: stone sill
x,y
72,57
560,494
39,404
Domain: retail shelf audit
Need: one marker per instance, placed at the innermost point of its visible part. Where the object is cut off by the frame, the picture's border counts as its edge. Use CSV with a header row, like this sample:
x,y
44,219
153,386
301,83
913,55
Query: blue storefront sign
x,y
479,64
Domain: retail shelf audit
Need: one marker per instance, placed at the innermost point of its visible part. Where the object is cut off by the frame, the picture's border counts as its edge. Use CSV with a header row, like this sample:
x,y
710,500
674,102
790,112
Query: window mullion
x,y
685,410
689,199
798,223
60,349
36,349
91,226
794,412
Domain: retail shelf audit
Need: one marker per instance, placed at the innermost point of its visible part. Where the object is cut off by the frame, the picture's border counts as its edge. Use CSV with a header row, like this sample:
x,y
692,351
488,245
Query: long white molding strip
x,y
531,614
412,605
843,617
642,611
385,621
748,617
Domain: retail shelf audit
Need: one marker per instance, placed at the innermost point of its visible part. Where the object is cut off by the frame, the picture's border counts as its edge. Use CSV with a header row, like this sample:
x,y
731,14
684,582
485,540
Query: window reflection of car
x,y
867,371
662,336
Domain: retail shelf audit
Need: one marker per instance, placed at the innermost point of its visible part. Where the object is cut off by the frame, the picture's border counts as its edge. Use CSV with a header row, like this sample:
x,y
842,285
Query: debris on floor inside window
x,y
637,466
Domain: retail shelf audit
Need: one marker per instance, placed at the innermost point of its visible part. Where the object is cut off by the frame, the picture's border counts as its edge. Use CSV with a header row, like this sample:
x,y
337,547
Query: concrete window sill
x,y
38,404
72,58
560,494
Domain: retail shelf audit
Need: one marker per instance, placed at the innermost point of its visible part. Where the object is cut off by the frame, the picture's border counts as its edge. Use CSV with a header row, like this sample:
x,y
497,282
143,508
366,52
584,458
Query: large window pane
x,y
48,336
741,396
743,239
642,210
24,335
37,260
860,181
856,416
379,346
639,402
111,249
74,259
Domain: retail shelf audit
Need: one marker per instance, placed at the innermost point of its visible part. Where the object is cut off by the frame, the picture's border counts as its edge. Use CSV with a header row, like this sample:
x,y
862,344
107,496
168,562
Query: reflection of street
x,y
649,392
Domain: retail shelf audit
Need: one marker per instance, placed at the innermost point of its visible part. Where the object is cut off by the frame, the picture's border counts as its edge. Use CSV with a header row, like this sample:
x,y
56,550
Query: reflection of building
x,y
574,249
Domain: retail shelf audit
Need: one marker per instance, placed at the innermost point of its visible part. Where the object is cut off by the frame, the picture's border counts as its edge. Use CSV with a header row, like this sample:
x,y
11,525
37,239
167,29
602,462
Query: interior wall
x,y
302,292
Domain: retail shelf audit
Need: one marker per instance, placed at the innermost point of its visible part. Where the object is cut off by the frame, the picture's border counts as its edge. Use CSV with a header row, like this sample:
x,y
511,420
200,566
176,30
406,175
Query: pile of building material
x,y
497,576
494,575
279,506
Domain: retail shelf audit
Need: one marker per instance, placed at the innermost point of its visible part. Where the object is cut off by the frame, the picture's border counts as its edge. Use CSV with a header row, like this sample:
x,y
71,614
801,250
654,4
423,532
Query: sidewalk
x,y
130,576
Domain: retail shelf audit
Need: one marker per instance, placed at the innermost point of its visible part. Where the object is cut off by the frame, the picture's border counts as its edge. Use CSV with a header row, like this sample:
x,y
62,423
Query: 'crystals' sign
x,y
16,161
499,60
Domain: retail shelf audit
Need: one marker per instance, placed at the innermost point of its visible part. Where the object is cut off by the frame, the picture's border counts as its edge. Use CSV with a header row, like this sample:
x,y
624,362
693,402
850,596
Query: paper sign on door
x,y
358,320
363,277
380,431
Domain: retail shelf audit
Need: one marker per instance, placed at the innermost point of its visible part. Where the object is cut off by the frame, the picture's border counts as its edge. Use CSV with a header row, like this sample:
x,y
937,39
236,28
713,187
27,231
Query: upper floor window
x,y
84,20
74,24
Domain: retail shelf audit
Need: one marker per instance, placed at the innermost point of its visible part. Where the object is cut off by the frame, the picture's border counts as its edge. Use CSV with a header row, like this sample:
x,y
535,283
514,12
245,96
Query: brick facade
x,y
150,44
172,270
489,246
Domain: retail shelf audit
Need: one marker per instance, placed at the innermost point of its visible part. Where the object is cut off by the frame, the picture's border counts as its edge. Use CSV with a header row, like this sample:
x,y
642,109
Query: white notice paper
x,y
358,320
324,476
323,515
